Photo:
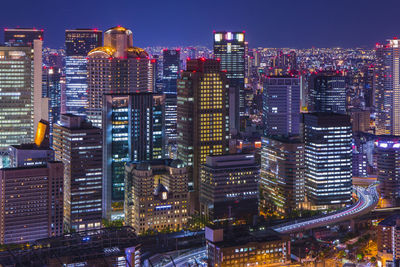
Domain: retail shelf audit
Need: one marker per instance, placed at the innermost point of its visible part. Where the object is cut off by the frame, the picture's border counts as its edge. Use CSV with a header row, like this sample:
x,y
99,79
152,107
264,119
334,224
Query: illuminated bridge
x,y
367,201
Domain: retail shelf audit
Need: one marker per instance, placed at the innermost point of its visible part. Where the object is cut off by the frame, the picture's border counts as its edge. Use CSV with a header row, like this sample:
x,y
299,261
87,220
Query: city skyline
x,y
267,23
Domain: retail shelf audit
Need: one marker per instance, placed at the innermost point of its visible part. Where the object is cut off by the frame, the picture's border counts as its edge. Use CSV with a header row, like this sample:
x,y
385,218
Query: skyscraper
x,y
328,92
22,36
52,85
229,47
387,88
281,107
328,159
203,120
116,67
171,68
282,174
78,43
78,145
132,131
21,93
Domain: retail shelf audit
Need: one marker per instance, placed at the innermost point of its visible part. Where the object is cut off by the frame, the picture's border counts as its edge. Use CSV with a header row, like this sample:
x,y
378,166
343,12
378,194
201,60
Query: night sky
x,y
268,23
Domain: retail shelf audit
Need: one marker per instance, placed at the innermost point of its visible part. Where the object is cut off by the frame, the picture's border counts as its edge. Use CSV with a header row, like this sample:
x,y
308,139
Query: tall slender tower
x,y
78,43
383,93
230,48
171,68
116,67
387,88
203,120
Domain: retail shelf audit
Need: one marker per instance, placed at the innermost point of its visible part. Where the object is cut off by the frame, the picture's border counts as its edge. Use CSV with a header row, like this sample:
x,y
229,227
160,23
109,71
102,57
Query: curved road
x,y
367,201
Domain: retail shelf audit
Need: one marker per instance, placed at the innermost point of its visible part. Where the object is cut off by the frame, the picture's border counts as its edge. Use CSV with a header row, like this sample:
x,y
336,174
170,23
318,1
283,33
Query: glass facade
x,y
51,89
78,43
133,132
76,85
281,106
328,93
328,159
16,96
229,48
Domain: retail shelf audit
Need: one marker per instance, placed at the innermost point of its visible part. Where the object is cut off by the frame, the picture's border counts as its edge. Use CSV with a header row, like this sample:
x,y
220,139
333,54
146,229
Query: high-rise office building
x,y
156,195
158,74
387,88
229,188
78,145
51,89
281,105
116,67
203,118
282,175
22,36
78,43
21,93
328,92
133,131
170,120
382,90
387,149
229,47
31,203
171,68
328,159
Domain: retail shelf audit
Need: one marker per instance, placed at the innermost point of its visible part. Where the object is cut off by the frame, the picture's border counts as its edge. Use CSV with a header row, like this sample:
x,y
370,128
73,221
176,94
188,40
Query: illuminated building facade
x,y
156,195
171,68
387,149
282,174
21,93
229,47
78,43
78,145
328,92
51,89
281,105
31,202
328,159
387,88
116,67
388,241
244,247
229,187
203,122
22,36
133,131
